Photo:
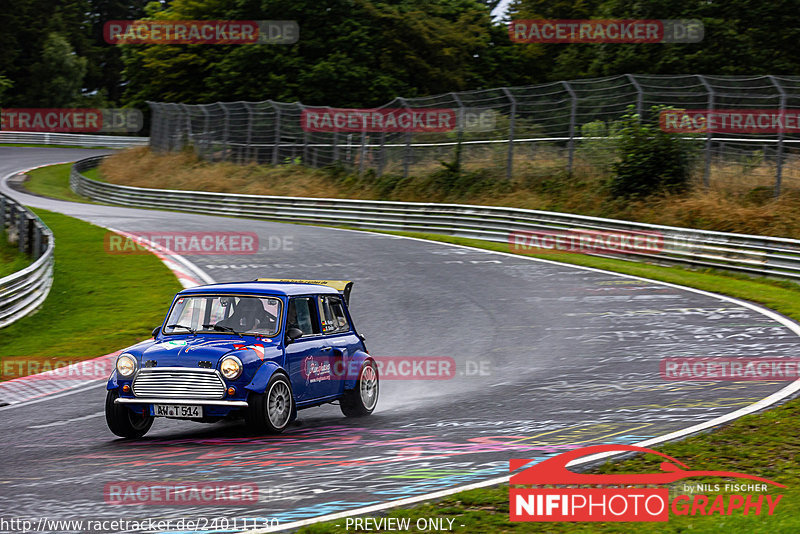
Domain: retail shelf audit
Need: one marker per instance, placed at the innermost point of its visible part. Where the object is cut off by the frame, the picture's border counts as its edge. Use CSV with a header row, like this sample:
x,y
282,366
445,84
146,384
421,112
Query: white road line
x,y
68,421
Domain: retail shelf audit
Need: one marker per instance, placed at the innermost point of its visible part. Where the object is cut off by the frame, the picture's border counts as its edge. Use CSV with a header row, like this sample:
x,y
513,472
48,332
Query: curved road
x,y
550,358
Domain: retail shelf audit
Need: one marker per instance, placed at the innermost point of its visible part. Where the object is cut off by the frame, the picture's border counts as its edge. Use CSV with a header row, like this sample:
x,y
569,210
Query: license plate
x,y
177,410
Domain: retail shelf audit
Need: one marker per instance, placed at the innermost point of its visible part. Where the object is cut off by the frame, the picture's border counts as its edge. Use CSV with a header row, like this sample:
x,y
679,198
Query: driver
x,y
248,315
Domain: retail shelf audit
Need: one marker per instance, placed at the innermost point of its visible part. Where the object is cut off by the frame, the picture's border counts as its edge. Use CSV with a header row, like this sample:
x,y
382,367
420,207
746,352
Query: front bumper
x,y
193,402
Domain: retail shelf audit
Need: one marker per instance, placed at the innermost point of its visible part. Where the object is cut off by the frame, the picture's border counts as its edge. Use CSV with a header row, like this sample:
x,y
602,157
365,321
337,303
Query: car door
x,y
305,356
340,341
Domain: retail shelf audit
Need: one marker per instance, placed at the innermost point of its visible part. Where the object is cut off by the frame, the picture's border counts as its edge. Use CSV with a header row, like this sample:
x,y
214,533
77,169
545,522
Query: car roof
x,y
286,289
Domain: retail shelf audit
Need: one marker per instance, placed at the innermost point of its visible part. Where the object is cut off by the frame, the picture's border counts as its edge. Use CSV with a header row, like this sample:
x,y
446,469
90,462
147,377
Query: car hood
x,y
189,351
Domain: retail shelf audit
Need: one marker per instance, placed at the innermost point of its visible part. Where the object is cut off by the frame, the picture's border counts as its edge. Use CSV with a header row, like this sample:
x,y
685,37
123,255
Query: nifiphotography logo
x,y
623,501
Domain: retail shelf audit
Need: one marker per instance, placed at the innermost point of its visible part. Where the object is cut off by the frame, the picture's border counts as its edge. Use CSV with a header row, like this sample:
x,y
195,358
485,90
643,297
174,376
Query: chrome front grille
x,y
178,383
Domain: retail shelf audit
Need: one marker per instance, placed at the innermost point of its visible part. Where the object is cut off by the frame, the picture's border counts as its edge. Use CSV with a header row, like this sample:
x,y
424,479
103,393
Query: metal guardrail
x,y
24,291
759,255
65,139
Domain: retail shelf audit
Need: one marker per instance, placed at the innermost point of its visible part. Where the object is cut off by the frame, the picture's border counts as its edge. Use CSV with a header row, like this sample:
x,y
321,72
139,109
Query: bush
x,y
651,161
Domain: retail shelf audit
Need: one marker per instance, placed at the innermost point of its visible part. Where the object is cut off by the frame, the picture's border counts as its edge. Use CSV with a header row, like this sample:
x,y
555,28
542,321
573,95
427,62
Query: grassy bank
x,y
96,304
534,186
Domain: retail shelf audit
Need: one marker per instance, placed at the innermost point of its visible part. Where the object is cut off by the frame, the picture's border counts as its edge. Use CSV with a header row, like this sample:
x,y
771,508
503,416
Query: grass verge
x,y
96,304
53,181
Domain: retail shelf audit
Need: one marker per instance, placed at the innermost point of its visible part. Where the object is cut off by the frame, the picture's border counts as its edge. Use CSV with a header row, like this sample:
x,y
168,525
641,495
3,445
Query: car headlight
x,y
126,365
231,367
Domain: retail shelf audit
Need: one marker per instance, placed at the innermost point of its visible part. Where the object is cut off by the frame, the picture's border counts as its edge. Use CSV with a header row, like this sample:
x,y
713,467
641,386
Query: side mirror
x,y
156,331
292,334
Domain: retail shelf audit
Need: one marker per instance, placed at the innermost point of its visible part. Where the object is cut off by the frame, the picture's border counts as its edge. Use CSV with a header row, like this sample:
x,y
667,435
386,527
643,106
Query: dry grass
x,y
537,184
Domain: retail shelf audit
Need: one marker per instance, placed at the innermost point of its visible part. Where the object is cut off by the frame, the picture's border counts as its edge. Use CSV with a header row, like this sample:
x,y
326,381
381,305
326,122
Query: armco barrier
x,y
66,139
24,291
752,254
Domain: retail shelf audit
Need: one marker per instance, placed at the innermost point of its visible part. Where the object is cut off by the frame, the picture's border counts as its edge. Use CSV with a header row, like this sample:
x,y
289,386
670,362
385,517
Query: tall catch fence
x,y
536,130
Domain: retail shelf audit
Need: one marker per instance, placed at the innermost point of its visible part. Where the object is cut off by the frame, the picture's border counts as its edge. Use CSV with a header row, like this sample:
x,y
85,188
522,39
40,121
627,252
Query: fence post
x,y
277,134
460,135
2,214
639,95
779,163
249,152
707,166
407,150
572,113
382,157
302,108
362,150
511,126
206,144
335,146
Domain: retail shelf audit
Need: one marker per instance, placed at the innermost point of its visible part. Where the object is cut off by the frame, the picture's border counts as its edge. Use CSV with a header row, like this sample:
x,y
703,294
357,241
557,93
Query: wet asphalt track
x,y
550,358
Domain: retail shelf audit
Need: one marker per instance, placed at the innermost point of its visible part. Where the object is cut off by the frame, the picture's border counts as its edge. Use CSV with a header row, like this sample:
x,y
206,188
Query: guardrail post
x,y
512,120
707,166
21,227
572,116
779,162
36,251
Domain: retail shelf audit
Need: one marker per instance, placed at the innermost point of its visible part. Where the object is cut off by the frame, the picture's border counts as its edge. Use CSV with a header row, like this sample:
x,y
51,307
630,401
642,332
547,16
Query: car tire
x,y
271,411
362,400
123,421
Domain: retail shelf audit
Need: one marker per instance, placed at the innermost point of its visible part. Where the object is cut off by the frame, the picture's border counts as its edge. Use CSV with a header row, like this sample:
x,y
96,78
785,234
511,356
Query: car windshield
x,y
225,313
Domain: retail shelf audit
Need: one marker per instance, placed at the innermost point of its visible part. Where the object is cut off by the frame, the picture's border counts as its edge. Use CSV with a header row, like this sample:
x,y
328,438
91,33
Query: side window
x,y
334,319
302,315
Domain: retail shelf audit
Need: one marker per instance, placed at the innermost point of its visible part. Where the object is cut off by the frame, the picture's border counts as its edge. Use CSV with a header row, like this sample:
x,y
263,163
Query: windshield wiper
x,y
182,326
222,328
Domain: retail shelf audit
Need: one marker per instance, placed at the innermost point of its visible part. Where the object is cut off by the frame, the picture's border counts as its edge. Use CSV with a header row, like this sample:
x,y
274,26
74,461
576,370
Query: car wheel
x,y
362,400
271,411
123,421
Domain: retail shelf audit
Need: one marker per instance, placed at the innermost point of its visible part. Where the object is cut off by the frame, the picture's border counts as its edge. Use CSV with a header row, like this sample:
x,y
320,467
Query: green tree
x,y
60,71
350,53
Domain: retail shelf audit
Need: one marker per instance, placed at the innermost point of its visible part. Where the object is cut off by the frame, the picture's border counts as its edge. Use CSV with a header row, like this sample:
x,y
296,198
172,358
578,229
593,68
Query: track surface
x,y
572,359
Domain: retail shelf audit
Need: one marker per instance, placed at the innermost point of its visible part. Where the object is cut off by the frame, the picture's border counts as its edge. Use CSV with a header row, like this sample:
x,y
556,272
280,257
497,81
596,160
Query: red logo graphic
x,y
618,504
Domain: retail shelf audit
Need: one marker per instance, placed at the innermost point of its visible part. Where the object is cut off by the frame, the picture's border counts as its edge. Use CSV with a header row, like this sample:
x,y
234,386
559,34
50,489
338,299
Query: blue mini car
x,y
256,350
